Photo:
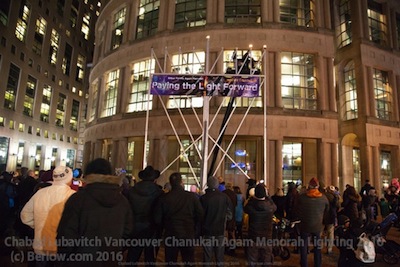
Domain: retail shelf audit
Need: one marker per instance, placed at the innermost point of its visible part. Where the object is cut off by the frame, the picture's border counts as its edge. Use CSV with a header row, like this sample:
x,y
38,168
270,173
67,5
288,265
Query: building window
x,y
298,81
74,13
40,32
94,93
383,95
20,153
242,158
377,23
291,162
350,92
111,93
343,30
233,63
70,158
22,21
66,64
4,146
60,7
30,92
12,87
386,168
11,125
297,12
38,157
46,102
187,63
2,121
131,157
86,26
140,99
54,156
118,28
54,44
21,127
247,11
80,68
190,13
356,168
147,21
73,121
60,112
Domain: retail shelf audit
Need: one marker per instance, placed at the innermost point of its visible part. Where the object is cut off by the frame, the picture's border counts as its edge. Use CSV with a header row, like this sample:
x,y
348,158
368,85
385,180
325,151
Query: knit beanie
x,y
313,183
260,191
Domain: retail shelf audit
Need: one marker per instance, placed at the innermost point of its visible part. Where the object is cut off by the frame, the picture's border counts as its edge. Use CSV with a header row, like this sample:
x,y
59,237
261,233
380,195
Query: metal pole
x,y
266,180
206,116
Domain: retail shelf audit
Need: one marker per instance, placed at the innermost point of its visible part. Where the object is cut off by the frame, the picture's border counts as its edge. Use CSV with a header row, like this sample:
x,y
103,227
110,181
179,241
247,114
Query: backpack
x,y
365,250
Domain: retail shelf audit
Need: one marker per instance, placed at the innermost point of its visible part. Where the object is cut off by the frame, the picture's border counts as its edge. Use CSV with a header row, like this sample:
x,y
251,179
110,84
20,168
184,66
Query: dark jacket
x,y
25,190
292,198
311,209
280,202
331,214
142,198
231,224
350,207
178,211
217,209
260,217
97,211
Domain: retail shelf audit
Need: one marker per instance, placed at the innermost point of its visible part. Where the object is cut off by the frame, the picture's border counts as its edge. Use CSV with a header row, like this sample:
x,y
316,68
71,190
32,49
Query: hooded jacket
x,y
260,213
43,212
312,206
97,214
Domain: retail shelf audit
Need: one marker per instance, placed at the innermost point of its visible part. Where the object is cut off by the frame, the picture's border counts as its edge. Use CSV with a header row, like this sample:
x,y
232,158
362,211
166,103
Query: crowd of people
x,y
105,220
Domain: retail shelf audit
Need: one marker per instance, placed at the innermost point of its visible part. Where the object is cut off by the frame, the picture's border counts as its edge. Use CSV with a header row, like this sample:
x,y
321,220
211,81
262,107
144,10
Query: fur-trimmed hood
x,y
101,178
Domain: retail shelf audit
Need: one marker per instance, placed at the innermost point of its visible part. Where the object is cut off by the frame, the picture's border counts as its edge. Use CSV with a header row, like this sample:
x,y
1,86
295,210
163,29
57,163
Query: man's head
x,y
99,166
175,180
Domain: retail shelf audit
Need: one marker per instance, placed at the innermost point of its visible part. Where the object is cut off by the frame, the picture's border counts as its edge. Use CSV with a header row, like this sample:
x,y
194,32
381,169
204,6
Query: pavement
x,y
12,257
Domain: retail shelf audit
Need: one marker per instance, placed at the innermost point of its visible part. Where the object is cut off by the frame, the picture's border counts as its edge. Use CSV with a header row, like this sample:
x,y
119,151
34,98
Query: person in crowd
x,y
238,212
351,201
217,210
392,198
292,197
365,188
311,208
99,214
43,212
231,224
44,180
260,209
369,204
8,193
221,186
251,183
384,207
178,212
280,201
330,217
142,198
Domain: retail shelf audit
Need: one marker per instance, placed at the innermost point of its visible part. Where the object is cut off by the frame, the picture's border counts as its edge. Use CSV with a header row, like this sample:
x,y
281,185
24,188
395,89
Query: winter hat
x,y
332,188
313,183
260,191
342,219
62,175
251,182
212,182
99,166
395,183
149,174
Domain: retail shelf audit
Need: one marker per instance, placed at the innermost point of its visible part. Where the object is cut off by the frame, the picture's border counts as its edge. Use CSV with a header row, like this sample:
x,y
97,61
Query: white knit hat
x,y
62,175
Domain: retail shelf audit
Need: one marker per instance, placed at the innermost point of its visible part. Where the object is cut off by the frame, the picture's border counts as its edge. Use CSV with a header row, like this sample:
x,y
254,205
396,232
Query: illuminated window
x,y
297,12
73,122
12,87
147,21
54,44
38,131
383,95
46,102
298,81
22,21
377,23
40,32
54,136
80,68
11,125
94,93
243,153
66,64
233,64
111,93
30,92
2,121
20,153
350,91
118,28
38,157
386,168
247,11
187,63
140,99
291,162
46,134
343,30
86,26
70,158
190,13
21,127
60,112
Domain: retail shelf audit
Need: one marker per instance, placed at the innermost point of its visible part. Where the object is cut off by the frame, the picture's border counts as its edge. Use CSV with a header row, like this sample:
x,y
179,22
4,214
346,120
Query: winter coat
x,y
178,211
217,209
311,209
43,213
280,202
292,198
350,207
331,215
142,198
231,224
239,208
98,213
260,217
